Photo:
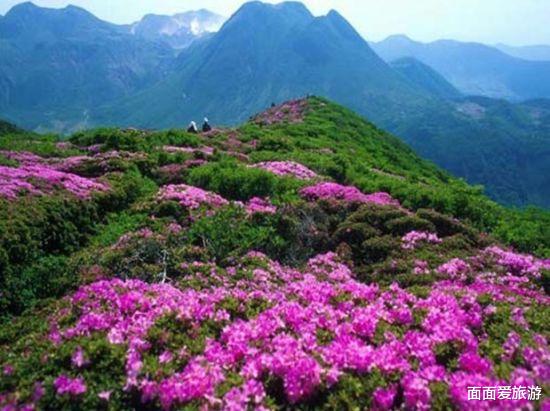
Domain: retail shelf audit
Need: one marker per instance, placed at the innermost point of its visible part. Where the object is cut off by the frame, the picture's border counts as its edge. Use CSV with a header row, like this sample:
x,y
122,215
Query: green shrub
x,y
379,248
237,182
402,225
229,233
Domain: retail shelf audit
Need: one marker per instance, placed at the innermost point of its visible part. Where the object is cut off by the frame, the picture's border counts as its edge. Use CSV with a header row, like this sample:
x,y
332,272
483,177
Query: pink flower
x,y
25,178
473,363
287,168
334,191
71,386
411,240
454,268
166,357
191,197
78,359
259,205
383,398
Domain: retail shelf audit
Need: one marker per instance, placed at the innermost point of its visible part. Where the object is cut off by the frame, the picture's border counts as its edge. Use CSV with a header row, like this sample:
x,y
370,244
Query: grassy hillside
x,y
305,259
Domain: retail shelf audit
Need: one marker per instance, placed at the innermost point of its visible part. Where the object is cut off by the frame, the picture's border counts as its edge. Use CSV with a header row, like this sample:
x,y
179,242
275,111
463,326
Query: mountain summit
x,y
267,53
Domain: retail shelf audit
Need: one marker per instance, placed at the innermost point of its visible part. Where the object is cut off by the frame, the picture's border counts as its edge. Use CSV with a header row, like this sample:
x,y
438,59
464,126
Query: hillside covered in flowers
x,y
303,260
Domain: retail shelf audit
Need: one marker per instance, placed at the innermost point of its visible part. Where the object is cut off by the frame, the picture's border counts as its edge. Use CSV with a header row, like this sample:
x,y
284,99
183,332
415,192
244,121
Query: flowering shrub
x,y
334,191
291,112
518,264
454,268
259,205
259,322
39,179
411,240
190,197
285,168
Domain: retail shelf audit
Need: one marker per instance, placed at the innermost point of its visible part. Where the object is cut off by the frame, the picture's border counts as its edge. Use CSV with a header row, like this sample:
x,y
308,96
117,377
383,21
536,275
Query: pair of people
x,y
205,127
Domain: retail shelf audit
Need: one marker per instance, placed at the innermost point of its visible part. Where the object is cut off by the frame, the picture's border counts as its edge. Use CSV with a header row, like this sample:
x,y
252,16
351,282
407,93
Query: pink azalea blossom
x,y
71,386
411,240
287,168
191,197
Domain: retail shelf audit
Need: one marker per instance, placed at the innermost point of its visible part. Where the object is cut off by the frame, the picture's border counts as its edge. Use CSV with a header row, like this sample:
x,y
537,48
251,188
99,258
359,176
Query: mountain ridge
x,y
483,70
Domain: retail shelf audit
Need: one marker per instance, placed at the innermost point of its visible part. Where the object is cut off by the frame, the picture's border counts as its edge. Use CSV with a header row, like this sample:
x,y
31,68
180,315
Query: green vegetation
x,y
46,239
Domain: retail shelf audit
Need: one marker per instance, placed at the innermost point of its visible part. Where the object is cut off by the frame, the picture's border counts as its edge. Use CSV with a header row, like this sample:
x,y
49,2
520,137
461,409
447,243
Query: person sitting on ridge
x,y
192,128
206,126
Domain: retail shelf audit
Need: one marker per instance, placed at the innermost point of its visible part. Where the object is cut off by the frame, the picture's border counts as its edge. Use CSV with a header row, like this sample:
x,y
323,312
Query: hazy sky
x,y
516,22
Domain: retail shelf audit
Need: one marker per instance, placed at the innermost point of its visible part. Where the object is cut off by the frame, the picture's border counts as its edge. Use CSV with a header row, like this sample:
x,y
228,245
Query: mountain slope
x,y
503,146
259,267
58,64
178,30
8,128
535,53
473,68
424,77
267,53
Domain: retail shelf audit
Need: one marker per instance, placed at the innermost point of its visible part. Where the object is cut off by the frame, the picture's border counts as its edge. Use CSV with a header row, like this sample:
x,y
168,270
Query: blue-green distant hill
x,y
474,68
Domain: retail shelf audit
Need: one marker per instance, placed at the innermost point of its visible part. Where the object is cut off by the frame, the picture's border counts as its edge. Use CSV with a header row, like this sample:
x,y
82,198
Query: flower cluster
x,y
38,179
259,205
312,327
411,240
287,168
518,264
290,112
191,197
72,386
350,194
454,268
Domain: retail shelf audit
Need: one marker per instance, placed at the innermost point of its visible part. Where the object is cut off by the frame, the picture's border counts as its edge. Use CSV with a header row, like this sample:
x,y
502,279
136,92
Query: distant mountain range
x,y
67,70
473,68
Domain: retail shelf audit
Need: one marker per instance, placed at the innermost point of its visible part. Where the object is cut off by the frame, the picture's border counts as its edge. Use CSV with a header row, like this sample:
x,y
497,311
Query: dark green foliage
x,y
9,128
237,182
378,248
401,226
134,140
354,391
445,225
227,234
